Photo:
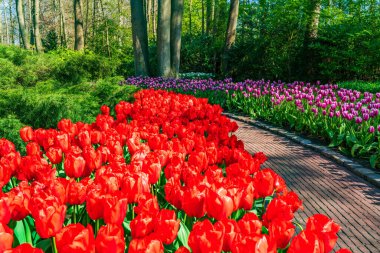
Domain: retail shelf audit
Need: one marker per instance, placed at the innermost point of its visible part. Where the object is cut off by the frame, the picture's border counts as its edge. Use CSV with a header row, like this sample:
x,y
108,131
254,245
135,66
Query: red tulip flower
x,y
166,226
146,245
6,237
110,238
218,204
5,211
115,209
281,232
27,134
75,238
25,247
74,166
206,237
48,214
325,228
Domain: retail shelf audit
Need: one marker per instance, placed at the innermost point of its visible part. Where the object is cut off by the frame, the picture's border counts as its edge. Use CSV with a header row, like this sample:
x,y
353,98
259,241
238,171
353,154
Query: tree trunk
x,y
203,17
140,38
163,38
105,19
313,22
93,19
78,26
21,23
231,31
31,26
86,22
62,17
11,22
190,17
175,36
210,9
154,19
7,37
36,24
148,14
311,35
1,30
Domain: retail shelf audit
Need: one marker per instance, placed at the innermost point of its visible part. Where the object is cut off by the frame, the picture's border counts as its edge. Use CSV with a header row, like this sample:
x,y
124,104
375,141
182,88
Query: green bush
x,y
75,67
8,73
9,129
15,54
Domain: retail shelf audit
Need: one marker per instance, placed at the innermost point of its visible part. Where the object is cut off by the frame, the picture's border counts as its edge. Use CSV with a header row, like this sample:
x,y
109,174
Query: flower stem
x,y
75,213
54,245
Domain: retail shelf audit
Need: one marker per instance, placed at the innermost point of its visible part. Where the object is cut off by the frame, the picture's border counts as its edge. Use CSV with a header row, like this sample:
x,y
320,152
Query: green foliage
x,y
8,73
9,127
362,86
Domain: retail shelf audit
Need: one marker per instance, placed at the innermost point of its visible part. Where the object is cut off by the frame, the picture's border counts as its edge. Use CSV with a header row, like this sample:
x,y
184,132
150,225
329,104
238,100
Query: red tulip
x,y
19,204
6,237
54,155
76,238
110,238
277,210
193,202
74,166
166,226
115,209
5,210
231,230
344,251
142,225
25,247
146,245
306,242
325,228
48,214
206,237
26,133
76,191
250,225
182,250
264,183
218,204
281,232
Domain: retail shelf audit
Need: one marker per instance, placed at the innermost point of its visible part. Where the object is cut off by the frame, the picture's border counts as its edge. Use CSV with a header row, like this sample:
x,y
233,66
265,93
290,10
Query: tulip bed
x,y
347,119
165,173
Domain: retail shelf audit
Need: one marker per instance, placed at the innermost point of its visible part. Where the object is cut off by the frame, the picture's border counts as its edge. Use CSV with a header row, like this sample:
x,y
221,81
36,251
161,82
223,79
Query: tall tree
x,y
36,26
140,38
175,36
62,24
163,37
210,9
21,23
1,30
78,26
231,31
7,37
313,20
11,22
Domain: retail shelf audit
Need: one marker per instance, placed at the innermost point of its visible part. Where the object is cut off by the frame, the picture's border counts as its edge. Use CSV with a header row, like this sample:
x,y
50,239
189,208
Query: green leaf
x,y
354,149
45,245
372,160
19,232
183,235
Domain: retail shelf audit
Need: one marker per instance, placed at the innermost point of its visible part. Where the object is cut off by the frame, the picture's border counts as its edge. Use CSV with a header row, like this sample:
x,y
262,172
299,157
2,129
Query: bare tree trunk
x,y
86,23
11,22
94,18
154,18
313,22
175,35
190,17
36,24
231,31
105,19
1,30
203,17
78,26
148,13
31,26
163,38
140,38
62,17
21,23
120,7
210,9
7,37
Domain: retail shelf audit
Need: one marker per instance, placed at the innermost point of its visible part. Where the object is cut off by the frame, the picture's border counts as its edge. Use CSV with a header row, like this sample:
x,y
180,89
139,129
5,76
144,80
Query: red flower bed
x,y
165,174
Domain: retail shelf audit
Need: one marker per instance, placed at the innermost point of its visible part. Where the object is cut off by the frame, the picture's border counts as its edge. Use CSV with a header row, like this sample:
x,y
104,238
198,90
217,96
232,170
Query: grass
x,y
362,86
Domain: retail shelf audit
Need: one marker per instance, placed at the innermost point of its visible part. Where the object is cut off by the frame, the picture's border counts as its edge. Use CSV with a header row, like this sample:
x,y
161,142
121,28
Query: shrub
x,y
9,129
8,73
